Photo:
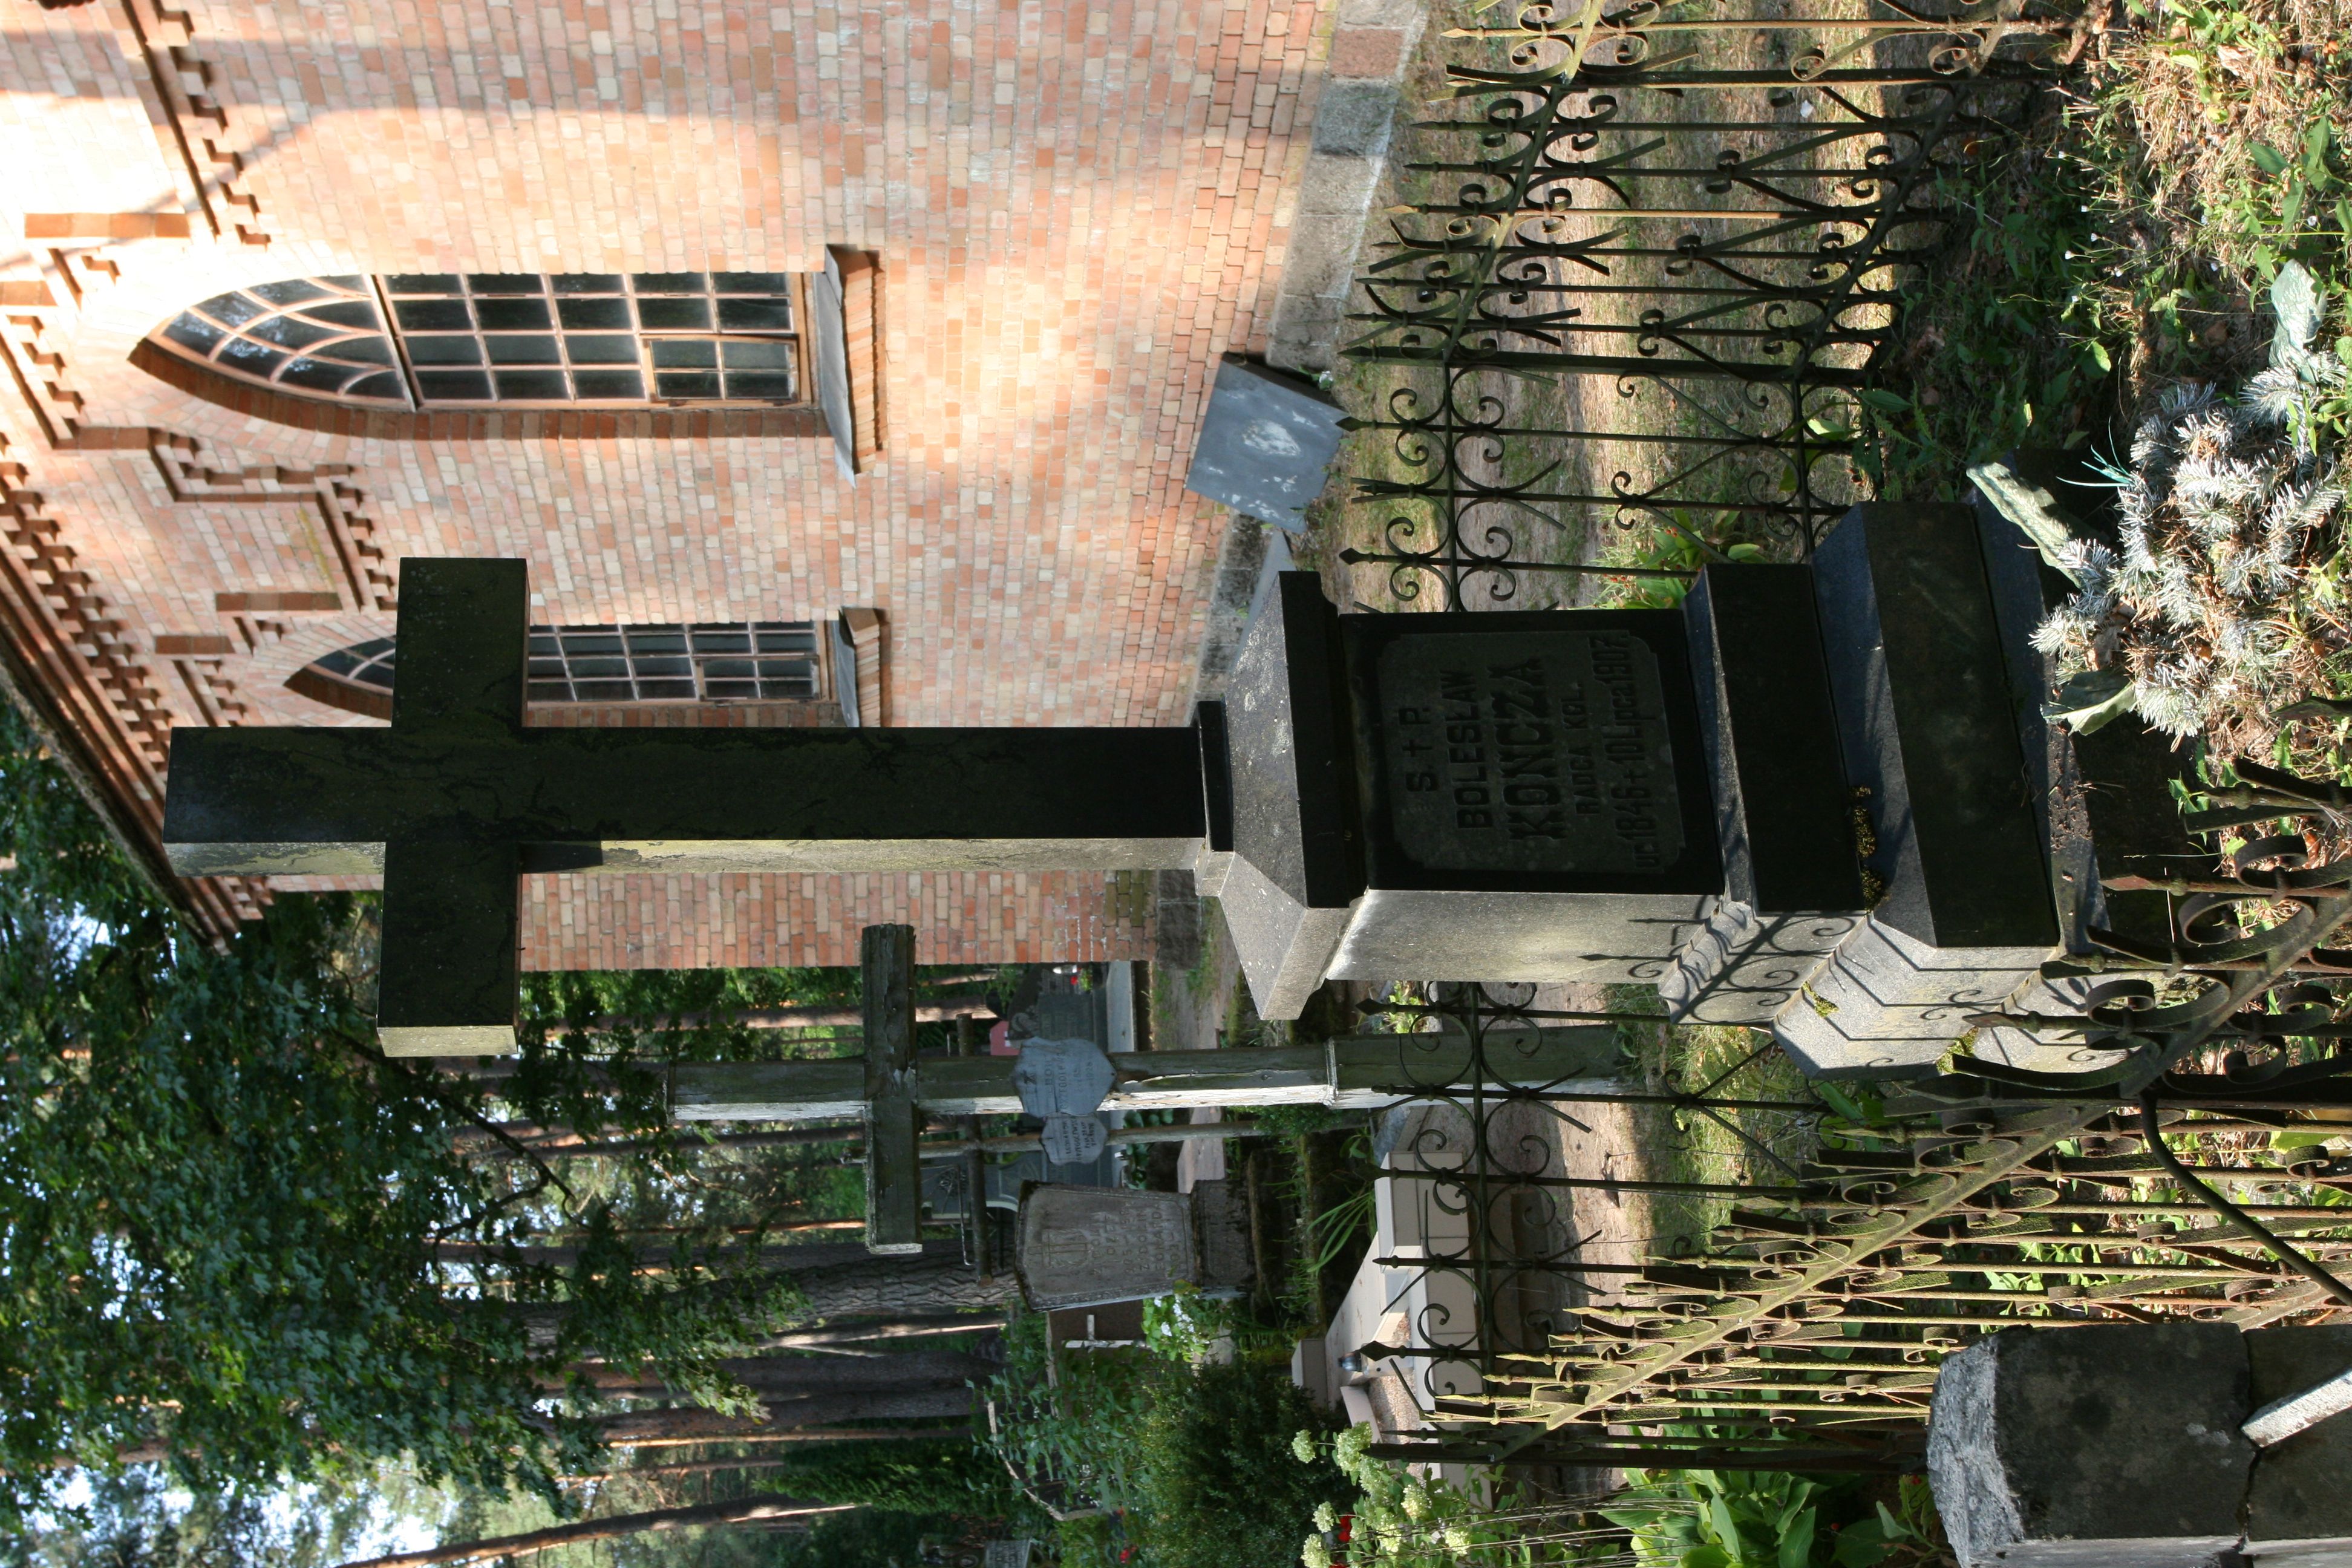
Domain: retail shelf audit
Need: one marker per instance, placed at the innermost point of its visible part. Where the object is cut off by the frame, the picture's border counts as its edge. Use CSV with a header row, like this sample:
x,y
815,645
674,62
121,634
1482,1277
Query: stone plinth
x,y
2299,1508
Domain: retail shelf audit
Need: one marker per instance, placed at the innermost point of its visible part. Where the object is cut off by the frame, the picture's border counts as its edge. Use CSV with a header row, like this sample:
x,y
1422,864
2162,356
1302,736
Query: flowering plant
x,y
2225,605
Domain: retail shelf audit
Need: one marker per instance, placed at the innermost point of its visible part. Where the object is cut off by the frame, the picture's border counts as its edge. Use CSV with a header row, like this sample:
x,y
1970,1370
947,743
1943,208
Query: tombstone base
x,y
1888,1006
1741,967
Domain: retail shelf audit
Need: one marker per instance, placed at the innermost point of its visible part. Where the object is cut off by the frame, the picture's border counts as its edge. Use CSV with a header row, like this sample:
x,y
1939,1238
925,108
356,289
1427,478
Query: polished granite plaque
x,y
1531,751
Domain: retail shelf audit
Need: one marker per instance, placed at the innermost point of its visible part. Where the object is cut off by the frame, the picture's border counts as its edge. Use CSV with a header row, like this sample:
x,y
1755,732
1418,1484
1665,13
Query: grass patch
x,y
2121,243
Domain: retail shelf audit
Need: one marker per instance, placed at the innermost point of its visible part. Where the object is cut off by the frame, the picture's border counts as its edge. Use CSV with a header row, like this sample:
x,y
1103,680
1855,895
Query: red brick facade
x,y
1071,210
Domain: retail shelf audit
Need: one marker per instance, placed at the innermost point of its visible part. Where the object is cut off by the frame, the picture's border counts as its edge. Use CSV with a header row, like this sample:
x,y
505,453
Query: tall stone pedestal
x,y
1819,799
1565,795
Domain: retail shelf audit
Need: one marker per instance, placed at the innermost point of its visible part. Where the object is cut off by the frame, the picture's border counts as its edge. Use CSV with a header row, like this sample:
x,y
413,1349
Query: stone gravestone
x,y
1087,1246
1559,795
1063,1083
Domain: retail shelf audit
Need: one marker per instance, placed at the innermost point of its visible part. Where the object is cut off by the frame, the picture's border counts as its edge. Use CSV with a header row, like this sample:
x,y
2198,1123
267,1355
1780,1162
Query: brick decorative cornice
x,y
82,683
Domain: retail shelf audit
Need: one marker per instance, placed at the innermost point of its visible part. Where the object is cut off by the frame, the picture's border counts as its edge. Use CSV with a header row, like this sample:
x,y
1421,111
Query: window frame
x,y
388,299
798,363
338,678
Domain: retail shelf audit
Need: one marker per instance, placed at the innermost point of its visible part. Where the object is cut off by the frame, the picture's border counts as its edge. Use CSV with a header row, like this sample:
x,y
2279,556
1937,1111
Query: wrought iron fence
x,y
1803,1331
1646,278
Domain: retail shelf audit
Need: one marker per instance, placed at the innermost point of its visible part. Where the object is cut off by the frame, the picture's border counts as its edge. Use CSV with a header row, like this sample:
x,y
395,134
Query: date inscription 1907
x,y
1518,752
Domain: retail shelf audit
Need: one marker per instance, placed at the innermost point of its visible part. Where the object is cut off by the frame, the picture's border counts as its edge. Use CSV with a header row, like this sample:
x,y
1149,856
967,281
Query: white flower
x,y
1304,1446
1327,1517
1315,1553
1350,1445
1415,1500
1458,1538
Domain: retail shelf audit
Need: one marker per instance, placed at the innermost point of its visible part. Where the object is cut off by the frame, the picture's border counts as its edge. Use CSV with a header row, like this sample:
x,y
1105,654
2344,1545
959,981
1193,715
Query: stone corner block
x,y
2108,1447
2300,1507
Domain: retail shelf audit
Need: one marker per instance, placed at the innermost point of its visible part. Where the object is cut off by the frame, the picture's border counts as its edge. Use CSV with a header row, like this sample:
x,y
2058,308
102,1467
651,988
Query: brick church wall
x,y
1075,207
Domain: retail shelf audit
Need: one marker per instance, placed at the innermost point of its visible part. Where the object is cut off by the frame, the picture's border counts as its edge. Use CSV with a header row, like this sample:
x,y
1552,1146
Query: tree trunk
x,y
798,1434
888,1329
844,1280
768,1461
637,1428
743,1510
939,1281
782,1376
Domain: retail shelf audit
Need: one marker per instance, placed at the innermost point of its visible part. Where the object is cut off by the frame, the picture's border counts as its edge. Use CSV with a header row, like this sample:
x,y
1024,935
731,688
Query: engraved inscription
x,y
1530,752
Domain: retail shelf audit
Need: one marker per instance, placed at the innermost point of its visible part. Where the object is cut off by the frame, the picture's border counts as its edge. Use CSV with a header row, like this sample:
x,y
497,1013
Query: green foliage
x,y
1760,1518
2127,234
926,1477
1222,1487
1189,1462
1396,1520
1186,1326
1301,1120
2009,335
866,1538
1680,542
223,1212
1068,1430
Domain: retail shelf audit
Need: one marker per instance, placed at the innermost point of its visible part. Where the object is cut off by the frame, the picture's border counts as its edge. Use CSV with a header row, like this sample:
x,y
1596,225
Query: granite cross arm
x,y
458,798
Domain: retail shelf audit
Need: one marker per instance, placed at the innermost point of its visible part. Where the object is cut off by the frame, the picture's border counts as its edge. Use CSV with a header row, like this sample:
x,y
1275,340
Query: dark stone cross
x,y
457,799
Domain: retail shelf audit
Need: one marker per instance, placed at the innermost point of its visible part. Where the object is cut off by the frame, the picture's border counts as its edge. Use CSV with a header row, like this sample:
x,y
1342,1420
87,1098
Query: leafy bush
x,y
866,1538
1761,1519
916,1476
1670,1519
1221,1486
1191,1463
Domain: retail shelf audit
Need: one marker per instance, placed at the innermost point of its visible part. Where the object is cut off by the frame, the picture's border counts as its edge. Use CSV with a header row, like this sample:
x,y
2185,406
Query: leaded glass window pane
x,y
688,336
333,323
662,663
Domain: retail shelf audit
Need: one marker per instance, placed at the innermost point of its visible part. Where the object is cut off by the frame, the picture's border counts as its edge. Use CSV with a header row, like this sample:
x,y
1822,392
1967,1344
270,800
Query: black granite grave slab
x,y
2105,799
1792,884
1782,796
1926,722
1554,753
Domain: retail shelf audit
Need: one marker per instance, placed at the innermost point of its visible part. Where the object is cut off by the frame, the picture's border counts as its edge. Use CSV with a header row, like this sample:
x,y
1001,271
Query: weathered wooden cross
x,y
893,1090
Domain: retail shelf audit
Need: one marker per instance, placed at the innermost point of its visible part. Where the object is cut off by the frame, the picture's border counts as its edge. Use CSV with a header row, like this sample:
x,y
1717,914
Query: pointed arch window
x,y
425,341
